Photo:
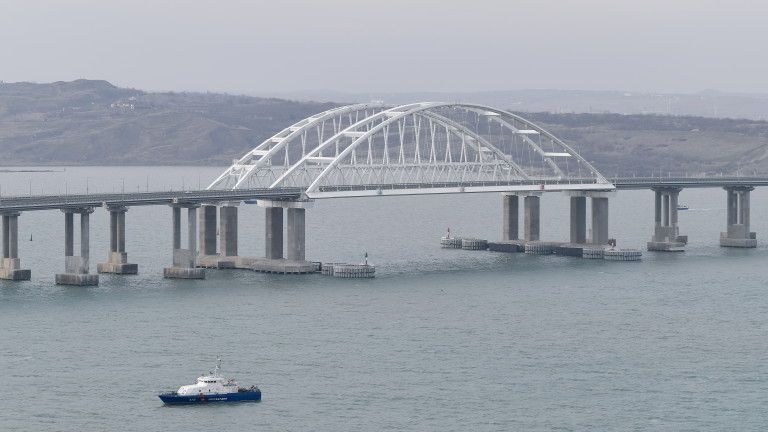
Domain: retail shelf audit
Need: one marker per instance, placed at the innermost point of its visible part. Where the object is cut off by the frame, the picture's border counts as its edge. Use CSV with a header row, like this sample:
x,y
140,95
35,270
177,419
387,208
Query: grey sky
x,y
389,45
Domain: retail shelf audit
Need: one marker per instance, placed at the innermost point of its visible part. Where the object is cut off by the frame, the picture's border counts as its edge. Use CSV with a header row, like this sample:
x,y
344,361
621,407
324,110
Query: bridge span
x,y
373,150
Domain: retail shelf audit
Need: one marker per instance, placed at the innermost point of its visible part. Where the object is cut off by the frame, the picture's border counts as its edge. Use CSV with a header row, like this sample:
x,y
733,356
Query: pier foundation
x,y
76,268
737,232
117,259
184,260
666,233
10,269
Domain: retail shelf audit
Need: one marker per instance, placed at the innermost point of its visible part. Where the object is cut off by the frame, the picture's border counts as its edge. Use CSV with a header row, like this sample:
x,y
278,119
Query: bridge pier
x,y
281,256
296,234
666,233
737,233
578,219
531,220
598,233
273,236
228,230
599,219
11,264
184,260
511,215
207,229
76,267
117,259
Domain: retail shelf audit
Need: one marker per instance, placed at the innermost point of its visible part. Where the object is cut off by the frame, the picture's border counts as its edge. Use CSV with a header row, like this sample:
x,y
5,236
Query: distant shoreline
x,y
5,170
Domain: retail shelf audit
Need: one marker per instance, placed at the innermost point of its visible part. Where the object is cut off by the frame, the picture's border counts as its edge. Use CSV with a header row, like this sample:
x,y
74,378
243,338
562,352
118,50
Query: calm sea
x,y
441,340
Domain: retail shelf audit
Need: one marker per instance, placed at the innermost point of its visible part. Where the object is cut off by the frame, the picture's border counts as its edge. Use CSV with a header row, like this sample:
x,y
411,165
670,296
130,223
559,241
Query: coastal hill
x,y
90,122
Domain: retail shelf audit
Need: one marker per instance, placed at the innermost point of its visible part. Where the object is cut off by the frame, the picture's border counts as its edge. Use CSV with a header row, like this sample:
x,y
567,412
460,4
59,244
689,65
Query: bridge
x,y
374,150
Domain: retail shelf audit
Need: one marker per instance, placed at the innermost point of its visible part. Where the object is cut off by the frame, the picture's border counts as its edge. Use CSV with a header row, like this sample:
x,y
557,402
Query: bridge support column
x,y
11,264
578,219
76,267
666,233
738,233
295,230
531,217
207,232
273,236
296,234
117,259
599,220
511,215
228,230
598,233
184,260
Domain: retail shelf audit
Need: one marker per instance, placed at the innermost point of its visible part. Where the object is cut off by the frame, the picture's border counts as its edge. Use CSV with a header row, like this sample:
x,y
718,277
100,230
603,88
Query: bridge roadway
x,y
628,183
48,202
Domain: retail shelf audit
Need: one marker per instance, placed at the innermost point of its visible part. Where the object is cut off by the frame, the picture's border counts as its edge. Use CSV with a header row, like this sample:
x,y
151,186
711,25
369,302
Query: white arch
x,y
365,129
245,167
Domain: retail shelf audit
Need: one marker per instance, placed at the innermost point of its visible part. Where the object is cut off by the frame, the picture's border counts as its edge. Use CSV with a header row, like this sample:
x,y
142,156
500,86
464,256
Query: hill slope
x,y
88,122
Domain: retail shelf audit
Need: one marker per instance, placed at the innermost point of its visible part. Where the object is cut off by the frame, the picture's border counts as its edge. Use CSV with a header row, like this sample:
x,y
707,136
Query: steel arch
x,y
342,174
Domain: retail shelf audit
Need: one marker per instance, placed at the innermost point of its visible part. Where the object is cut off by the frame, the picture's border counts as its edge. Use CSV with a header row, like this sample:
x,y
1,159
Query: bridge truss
x,y
420,148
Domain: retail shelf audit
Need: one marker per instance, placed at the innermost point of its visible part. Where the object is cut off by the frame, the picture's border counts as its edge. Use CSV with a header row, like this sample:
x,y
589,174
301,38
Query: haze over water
x,y
440,340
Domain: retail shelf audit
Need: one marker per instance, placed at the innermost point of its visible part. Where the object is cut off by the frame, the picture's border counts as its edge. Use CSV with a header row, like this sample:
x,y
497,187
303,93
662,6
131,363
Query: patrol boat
x,y
211,388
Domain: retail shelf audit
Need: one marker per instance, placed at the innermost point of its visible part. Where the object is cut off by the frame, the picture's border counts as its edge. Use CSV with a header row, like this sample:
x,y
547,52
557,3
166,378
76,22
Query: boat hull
x,y
174,399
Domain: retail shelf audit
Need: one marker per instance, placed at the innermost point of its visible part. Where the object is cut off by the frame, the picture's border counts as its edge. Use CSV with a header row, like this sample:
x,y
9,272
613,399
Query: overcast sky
x,y
389,45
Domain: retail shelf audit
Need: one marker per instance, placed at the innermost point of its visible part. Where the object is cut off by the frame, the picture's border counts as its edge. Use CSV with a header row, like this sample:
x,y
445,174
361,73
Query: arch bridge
x,y
421,148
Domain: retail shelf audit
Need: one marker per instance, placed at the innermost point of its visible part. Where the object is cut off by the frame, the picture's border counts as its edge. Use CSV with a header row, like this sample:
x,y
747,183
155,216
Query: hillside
x,y
89,122
93,122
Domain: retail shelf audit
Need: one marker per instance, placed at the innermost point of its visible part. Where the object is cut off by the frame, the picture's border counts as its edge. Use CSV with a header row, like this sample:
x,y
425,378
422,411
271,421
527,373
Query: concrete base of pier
x,y
77,279
183,273
261,265
10,270
184,264
739,237
668,246
118,264
580,250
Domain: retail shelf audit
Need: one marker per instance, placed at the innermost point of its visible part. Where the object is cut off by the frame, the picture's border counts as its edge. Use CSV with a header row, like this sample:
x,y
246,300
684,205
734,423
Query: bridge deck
x,y
47,202
625,183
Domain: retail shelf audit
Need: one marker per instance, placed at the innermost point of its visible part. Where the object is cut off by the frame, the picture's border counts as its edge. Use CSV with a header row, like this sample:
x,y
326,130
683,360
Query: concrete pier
x,y
738,232
598,233
76,268
117,258
599,220
531,220
228,230
207,229
273,236
511,215
578,219
11,264
185,260
666,233
295,232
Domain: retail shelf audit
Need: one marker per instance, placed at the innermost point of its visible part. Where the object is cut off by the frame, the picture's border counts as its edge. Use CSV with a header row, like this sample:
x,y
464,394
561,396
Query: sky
x,y
677,46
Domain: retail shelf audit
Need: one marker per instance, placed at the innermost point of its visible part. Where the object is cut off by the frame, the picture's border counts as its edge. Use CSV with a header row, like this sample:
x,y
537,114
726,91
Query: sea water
x,y
446,340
